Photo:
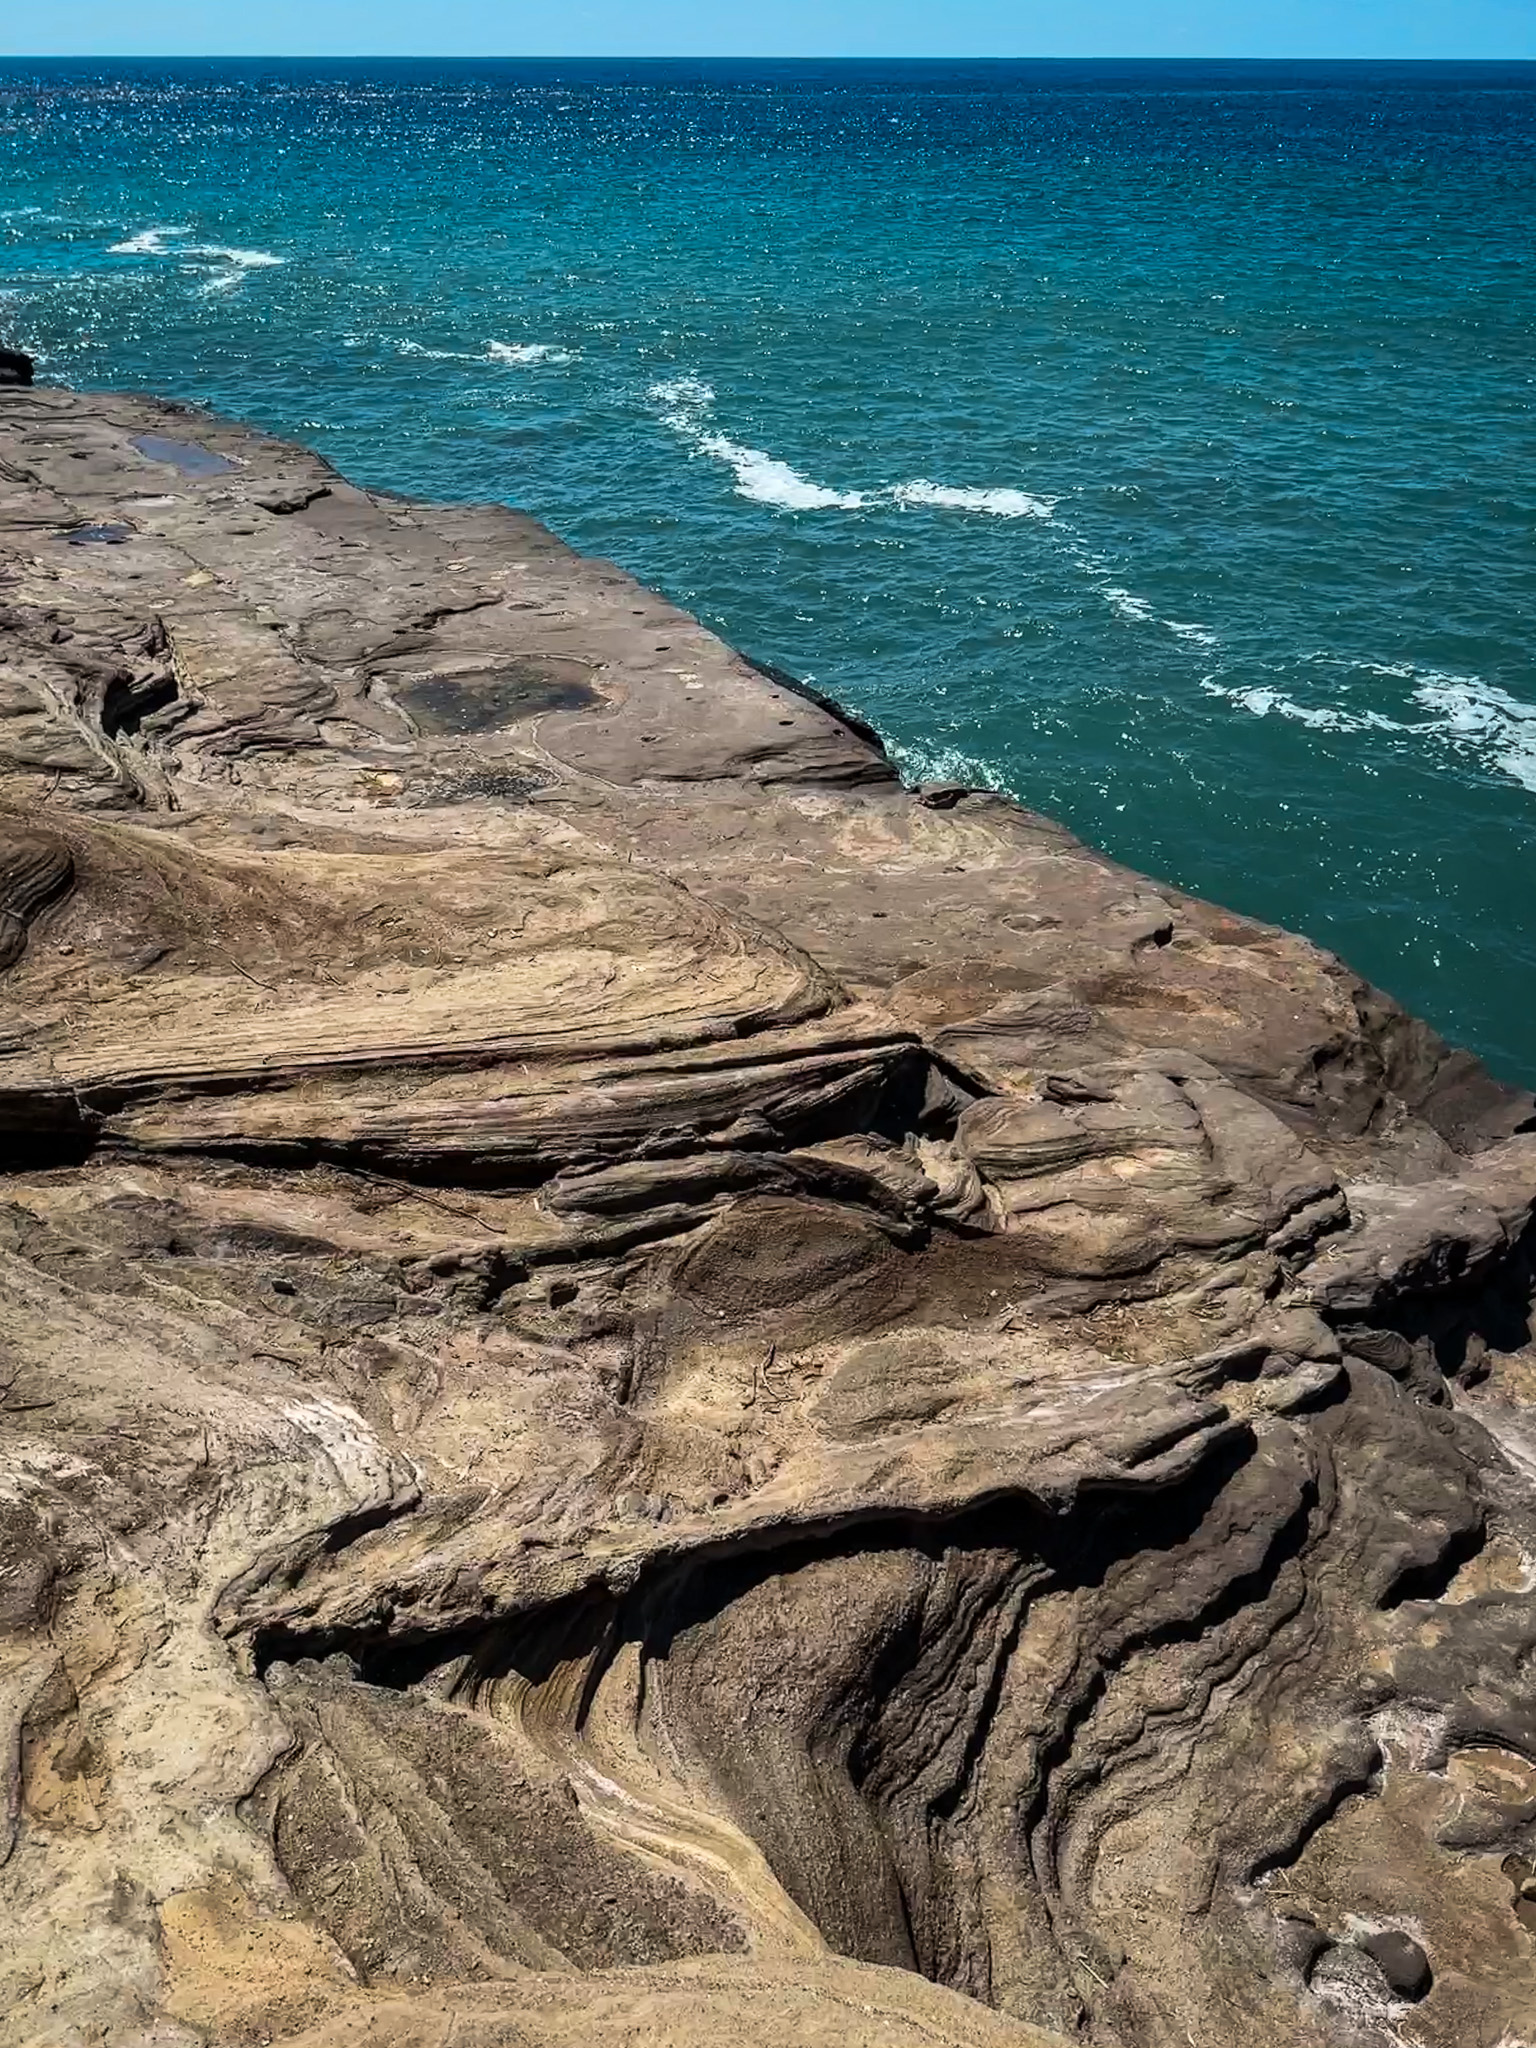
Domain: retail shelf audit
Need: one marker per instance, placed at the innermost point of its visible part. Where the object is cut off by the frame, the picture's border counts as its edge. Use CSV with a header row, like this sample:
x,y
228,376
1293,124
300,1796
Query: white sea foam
x,y
1198,636
517,354
1128,605
1000,503
148,242
771,482
524,352
1489,720
436,355
233,264
689,391
688,402
1262,701
687,407
949,764
1469,714
242,259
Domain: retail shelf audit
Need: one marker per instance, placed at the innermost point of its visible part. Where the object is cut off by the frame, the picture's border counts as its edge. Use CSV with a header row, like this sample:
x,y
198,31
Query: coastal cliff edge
x,y
656,1390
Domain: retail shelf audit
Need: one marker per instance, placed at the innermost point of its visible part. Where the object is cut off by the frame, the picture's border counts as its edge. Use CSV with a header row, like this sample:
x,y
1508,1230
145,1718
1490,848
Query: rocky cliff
x,y
655,1390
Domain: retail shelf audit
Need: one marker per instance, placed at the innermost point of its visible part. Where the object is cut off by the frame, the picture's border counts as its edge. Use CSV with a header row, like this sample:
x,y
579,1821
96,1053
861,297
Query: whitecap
x,y
771,482
243,259
436,355
1260,700
1469,714
524,352
1198,636
148,242
1481,715
1128,605
999,502
515,353
948,764
689,391
1473,715
687,405
688,400
168,241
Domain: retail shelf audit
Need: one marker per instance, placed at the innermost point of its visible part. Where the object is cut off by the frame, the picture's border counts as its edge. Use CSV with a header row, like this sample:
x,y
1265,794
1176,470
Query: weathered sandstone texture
x,y
655,1390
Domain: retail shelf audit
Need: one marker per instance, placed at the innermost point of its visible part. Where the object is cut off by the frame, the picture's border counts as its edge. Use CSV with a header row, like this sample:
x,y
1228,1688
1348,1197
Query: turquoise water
x,y
1154,441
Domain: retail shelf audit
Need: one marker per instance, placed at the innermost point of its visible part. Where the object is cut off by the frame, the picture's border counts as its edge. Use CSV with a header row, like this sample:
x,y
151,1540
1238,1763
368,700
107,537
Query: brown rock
x,y
1401,1961
654,1390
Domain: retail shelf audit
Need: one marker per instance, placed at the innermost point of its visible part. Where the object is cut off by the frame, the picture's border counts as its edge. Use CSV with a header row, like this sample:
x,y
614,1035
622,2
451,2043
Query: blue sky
x,y
1003,28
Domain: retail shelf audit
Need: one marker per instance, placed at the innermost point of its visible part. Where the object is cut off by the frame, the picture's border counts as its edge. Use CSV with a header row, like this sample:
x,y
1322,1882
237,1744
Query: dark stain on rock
x,y
486,699
189,457
96,536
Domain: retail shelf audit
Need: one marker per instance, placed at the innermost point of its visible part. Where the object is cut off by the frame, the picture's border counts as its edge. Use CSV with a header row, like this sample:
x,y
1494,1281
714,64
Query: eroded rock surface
x,y
657,1391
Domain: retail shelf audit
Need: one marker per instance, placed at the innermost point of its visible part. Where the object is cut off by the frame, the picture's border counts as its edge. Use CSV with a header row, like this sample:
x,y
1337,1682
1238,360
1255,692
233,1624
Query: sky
x,y
784,28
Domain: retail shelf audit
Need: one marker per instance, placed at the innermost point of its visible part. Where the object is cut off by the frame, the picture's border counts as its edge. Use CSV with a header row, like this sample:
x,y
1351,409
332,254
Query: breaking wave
x,y
1475,717
1261,701
518,355
1001,503
227,266
148,242
687,407
1468,715
242,259
771,482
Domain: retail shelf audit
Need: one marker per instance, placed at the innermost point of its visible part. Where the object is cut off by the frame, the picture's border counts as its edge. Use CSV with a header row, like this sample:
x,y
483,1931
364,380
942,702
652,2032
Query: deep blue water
x,y
1154,441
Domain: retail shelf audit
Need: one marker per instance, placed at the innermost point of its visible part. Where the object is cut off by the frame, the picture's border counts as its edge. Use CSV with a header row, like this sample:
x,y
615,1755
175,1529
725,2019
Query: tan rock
x,y
655,1391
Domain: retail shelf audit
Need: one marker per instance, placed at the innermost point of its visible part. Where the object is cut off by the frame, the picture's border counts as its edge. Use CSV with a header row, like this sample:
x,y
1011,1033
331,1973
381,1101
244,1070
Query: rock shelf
x,y
656,1390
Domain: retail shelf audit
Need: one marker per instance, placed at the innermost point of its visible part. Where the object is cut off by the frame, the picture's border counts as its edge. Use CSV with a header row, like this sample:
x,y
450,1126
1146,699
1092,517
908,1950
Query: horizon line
x,y
718,57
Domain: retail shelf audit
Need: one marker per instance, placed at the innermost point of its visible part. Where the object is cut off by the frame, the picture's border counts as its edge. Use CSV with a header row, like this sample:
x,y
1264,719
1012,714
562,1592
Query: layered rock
x,y
656,1390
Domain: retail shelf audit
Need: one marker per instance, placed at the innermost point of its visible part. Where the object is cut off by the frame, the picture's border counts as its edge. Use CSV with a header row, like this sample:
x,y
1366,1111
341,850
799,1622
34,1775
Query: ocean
x,y
1153,441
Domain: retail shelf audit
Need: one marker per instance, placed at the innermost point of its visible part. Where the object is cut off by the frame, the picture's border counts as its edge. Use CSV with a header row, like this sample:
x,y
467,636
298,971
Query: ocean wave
x,y
36,216
242,259
1128,605
947,764
1469,715
169,241
1483,719
417,348
148,242
1000,503
771,482
518,354
687,406
688,401
1262,701
523,352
